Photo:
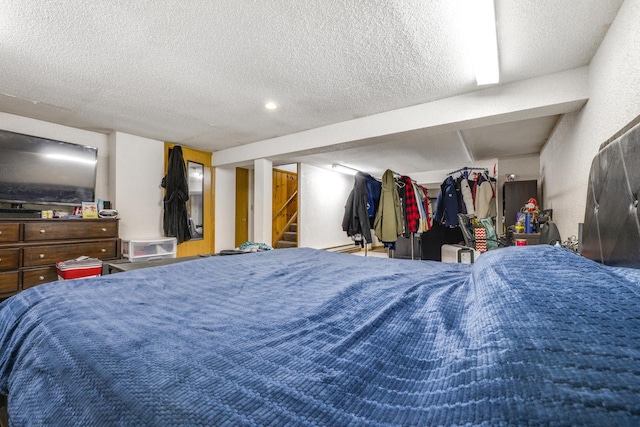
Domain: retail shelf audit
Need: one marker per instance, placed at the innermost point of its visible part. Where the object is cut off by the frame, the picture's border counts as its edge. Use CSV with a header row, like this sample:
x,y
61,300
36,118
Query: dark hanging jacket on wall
x,y
356,218
175,220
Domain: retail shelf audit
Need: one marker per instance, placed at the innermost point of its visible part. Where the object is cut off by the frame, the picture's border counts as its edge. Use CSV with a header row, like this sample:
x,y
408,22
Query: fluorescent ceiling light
x,y
482,39
344,169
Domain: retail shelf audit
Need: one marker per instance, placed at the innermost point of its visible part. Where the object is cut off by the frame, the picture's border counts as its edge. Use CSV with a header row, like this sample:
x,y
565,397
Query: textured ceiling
x,y
198,72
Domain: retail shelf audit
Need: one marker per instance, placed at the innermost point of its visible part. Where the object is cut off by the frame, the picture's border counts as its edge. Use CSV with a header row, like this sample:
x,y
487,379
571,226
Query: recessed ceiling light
x,y
271,105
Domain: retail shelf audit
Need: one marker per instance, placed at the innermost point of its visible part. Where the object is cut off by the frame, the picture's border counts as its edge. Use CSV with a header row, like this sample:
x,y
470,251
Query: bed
x,y
525,336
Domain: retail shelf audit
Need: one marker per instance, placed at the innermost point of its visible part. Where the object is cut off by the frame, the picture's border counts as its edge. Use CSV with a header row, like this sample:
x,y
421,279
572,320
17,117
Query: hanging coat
x,y
374,188
356,219
389,221
467,197
175,220
447,209
485,201
411,211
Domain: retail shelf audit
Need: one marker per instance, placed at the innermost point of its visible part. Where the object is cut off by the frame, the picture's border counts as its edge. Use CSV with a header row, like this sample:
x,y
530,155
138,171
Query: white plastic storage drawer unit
x,y
459,254
138,250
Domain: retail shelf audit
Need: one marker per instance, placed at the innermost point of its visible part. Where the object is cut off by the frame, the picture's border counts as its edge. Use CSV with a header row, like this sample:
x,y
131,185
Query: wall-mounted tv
x,y
37,170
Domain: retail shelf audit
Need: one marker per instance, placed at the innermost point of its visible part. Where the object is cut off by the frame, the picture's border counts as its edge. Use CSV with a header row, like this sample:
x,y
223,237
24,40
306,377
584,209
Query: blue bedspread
x,y
533,335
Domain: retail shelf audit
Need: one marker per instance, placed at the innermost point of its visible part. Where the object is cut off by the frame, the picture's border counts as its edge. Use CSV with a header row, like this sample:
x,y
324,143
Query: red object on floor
x,y
79,273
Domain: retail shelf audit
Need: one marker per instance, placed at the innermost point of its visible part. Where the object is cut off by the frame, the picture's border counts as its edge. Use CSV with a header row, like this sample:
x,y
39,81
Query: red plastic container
x,y
79,273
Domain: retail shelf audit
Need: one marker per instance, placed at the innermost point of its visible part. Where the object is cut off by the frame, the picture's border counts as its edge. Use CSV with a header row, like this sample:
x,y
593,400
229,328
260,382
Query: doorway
x,y
285,206
242,206
200,204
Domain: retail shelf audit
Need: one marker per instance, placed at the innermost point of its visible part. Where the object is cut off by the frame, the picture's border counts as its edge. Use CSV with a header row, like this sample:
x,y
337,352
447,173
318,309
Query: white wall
x,y
129,171
225,208
614,100
289,168
42,129
136,168
323,195
263,201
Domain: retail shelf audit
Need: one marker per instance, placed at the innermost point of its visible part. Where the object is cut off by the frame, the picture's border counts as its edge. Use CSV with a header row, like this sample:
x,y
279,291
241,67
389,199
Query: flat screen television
x,y
42,171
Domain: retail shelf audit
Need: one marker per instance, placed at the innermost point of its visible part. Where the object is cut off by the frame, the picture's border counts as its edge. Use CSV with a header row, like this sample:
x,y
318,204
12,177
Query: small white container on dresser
x,y
139,250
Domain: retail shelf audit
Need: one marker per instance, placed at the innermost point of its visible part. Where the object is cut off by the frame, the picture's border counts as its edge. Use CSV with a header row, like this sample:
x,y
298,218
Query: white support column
x,y
225,195
262,208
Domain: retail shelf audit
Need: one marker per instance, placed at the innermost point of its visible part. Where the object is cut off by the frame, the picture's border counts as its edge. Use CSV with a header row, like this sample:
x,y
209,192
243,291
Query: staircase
x,y
289,238
284,223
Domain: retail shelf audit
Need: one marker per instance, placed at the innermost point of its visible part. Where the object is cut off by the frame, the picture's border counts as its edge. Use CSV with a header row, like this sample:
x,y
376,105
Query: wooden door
x,y
200,204
242,206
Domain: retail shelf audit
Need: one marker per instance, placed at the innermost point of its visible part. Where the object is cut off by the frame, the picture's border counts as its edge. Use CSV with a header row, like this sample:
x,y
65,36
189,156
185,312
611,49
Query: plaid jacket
x,y
412,214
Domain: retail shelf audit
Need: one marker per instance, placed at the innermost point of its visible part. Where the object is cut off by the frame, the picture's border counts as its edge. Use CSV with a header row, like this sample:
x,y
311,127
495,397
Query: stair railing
x,y
284,211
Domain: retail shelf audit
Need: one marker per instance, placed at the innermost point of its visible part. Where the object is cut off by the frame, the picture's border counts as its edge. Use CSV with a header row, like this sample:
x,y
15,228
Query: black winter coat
x,y
356,218
175,220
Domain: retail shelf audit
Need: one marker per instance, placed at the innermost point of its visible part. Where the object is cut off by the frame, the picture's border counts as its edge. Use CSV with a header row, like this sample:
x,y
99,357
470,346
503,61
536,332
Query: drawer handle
x,y
104,229
103,250
41,256
43,231
40,277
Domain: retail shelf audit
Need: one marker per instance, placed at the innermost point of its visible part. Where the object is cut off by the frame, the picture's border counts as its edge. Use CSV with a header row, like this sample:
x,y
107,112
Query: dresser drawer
x,y
9,232
8,282
75,229
9,259
38,276
46,255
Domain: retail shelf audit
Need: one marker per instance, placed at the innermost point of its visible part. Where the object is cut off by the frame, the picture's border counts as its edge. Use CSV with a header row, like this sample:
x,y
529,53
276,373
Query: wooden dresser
x,y
30,248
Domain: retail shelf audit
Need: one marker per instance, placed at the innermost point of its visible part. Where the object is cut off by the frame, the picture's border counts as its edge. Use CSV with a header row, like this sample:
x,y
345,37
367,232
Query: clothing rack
x,y
411,242
391,252
411,237
469,169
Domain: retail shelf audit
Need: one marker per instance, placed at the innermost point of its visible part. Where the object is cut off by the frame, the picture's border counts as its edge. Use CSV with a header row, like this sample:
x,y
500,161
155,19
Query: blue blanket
x,y
533,335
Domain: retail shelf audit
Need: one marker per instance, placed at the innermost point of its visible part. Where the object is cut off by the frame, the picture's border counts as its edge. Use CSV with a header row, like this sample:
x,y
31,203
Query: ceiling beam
x,y
542,96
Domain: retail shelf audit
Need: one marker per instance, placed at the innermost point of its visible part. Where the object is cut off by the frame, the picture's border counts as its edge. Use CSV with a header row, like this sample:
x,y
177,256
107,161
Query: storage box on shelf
x,y
30,248
140,250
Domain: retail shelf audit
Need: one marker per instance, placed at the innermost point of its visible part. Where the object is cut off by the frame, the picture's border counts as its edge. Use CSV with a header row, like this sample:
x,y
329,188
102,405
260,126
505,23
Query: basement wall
x,y
323,195
57,132
614,100
128,173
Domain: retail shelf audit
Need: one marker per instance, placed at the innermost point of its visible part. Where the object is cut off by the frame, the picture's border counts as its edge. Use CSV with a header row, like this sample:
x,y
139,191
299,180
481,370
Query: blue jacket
x,y
447,205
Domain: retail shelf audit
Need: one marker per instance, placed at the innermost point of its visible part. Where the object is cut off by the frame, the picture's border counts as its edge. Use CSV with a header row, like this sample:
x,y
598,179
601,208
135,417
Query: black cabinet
x,y
515,195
